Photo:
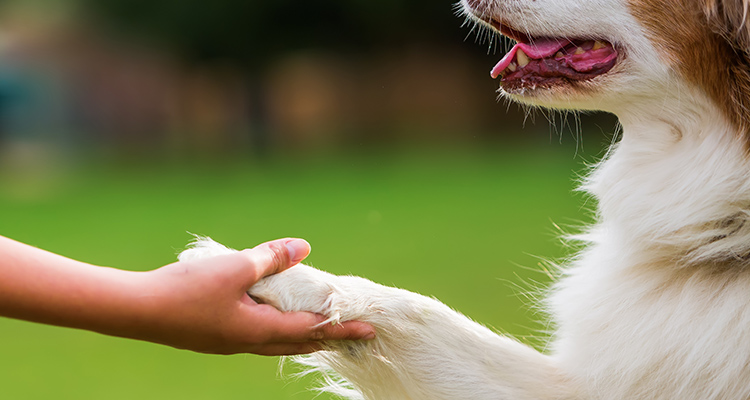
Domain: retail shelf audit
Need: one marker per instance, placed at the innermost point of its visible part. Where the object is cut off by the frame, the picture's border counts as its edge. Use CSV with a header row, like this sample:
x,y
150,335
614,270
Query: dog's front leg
x,y
423,350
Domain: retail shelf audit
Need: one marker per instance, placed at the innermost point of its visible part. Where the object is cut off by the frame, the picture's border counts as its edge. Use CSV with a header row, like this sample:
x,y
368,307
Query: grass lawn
x,y
463,226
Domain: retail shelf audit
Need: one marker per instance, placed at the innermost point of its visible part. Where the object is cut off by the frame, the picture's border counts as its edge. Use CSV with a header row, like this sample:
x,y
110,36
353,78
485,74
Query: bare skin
x,y
198,305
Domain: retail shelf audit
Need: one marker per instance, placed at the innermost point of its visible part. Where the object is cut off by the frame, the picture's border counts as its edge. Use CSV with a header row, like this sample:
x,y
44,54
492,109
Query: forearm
x,y
40,286
199,305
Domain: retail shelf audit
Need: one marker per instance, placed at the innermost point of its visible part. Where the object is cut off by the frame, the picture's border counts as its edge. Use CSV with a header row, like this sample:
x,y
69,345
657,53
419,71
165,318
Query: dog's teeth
x,y
512,67
559,54
580,50
597,45
522,58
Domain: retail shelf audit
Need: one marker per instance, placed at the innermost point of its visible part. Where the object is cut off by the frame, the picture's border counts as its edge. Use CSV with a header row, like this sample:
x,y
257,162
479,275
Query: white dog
x,y
657,305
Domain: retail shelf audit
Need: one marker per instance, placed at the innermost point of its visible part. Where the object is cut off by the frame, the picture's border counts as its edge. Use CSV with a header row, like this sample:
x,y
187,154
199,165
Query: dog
x,y
657,304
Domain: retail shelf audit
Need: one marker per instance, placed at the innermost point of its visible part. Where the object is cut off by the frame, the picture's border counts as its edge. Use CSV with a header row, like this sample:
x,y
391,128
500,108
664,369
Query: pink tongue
x,y
540,48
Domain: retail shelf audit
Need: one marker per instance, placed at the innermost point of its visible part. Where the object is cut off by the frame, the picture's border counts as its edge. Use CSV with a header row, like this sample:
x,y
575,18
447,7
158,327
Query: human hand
x,y
203,305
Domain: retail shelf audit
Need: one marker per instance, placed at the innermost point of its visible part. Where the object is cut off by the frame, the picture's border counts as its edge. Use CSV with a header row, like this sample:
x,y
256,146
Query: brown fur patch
x,y
707,41
729,19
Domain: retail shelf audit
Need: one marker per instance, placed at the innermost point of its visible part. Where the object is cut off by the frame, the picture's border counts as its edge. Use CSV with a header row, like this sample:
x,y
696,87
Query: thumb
x,y
273,257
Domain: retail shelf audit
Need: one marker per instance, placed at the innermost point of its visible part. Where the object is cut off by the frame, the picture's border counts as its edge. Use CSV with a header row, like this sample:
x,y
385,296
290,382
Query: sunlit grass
x,y
467,227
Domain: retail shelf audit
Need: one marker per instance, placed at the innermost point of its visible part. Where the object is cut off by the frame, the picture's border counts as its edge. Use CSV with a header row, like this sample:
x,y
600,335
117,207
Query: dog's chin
x,y
560,94
540,91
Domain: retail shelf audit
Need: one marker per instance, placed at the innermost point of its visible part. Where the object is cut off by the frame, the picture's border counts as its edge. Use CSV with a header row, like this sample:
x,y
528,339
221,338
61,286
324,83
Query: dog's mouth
x,y
544,61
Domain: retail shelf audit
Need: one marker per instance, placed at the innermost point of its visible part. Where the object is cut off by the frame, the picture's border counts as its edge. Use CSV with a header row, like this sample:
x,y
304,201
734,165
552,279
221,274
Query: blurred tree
x,y
251,32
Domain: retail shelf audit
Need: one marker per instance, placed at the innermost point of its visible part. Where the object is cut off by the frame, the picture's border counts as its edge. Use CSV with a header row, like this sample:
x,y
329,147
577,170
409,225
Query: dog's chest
x,y
654,333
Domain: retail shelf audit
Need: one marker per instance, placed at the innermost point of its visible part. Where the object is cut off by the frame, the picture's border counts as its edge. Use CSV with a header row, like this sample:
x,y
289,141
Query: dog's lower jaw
x,y
595,94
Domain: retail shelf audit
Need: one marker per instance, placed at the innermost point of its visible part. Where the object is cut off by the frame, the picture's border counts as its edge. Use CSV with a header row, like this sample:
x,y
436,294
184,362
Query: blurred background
x,y
372,129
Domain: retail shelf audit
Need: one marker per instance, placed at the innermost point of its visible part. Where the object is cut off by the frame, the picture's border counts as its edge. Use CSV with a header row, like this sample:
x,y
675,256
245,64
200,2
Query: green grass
x,y
463,226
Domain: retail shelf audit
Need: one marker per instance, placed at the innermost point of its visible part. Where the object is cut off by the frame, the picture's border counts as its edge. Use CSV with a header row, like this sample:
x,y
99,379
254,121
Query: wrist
x,y
141,310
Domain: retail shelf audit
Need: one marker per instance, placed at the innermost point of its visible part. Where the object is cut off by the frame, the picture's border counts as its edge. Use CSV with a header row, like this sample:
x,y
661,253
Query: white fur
x,y
654,307
416,335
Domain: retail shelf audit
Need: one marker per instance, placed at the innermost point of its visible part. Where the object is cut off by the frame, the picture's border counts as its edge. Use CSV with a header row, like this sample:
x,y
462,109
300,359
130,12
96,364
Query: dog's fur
x,y
657,305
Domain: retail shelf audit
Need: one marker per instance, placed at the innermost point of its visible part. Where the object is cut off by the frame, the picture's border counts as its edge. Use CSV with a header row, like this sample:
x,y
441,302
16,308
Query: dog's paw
x,y
339,298
203,247
301,288
413,333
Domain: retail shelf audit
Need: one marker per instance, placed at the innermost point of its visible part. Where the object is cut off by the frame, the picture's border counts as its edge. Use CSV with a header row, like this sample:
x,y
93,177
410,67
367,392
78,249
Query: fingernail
x,y
369,336
298,249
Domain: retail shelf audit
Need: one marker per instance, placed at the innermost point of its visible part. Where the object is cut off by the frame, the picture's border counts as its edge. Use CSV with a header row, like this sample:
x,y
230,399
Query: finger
x,y
351,330
276,256
297,249
304,327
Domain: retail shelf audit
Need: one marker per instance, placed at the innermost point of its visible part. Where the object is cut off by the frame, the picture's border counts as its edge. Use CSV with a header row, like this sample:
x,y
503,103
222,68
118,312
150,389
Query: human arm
x,y
198,305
